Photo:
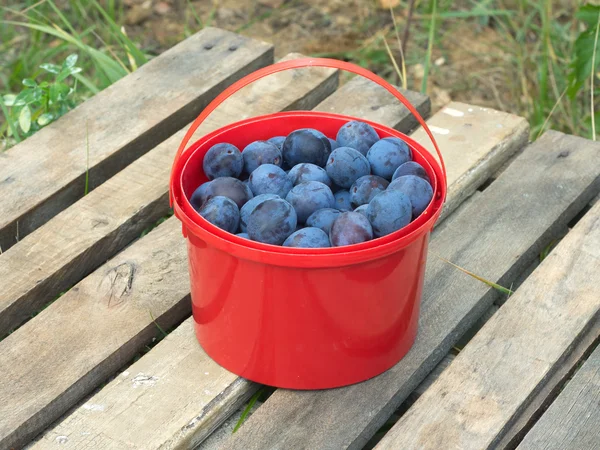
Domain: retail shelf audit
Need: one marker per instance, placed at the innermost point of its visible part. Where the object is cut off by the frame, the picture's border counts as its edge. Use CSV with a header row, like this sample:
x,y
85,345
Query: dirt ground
x,y
468,64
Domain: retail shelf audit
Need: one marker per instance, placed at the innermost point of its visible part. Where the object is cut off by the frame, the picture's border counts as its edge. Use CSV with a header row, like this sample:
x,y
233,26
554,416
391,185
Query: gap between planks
x,y
573,420
117,394
46,173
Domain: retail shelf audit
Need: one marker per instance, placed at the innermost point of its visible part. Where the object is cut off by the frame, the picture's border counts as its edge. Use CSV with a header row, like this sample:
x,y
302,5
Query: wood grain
x,y
75,242
73,345
496,235
179,421
46,173
366,100
573,420
505,364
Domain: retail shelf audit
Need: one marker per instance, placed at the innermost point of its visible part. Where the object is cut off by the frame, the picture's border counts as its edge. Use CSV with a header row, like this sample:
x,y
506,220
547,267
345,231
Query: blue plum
x,y
307,197
270,179
272,221
350,228
221,212
357,135
386,155
229,187
346,165
243,235
223,160
306,146
411,168
333,143
362,209
365,188
323,218
388,212
260,152
304,172
342,200
247,209
418,190
308,237
278,141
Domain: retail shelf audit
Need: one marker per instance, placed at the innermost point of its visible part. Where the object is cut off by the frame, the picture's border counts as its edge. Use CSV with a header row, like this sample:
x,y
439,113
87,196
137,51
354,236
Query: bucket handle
x,y
296,64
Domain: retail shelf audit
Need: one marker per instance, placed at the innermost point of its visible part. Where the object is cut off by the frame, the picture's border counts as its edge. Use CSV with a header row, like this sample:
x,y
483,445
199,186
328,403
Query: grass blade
x,y
400,46
163,332
429,47
87,162
110,68
86,82
127,43
247,410
394,63
592,76
543,127
491,284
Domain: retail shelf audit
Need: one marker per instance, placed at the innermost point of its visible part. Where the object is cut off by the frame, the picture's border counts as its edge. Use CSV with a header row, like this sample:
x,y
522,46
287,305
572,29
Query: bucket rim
x,y
197,226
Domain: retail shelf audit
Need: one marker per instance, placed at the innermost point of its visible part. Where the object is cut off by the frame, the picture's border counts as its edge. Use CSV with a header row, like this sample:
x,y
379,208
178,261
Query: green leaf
x,y
53,93
37,94
24,97
71,60
45,119
29,82
52,68
111,68
588,14
25,119
9,99
44,84
581,66
12,127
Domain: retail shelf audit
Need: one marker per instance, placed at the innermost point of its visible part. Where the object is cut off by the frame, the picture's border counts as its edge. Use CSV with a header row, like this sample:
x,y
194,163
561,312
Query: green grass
x,y
40,33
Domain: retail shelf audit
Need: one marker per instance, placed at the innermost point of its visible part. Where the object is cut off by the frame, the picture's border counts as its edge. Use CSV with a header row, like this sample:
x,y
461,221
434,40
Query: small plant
x,y
37,105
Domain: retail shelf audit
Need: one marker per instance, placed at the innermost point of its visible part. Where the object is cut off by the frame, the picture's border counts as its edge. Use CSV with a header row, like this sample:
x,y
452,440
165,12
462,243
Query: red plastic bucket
x,y
302,318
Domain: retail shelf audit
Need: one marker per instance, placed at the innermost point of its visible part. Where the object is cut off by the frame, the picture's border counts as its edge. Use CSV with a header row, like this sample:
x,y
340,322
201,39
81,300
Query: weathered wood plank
x,y
492,236
46,173
573,420
364,99
505,364
186,387
79,239
178,421
70,347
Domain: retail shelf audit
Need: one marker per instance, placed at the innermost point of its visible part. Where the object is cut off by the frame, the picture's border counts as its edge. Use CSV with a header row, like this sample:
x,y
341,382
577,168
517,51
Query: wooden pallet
x,y
79,374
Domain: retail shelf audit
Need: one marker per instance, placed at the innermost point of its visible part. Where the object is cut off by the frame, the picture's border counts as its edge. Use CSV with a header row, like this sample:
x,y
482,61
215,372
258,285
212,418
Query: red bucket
x,y
302,318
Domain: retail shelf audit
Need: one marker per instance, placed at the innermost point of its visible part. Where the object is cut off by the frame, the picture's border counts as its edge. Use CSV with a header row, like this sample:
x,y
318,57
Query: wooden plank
x,y
573,420
184,387
176,421
492,236
46,173
506,363
364,99
73,345
75,242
